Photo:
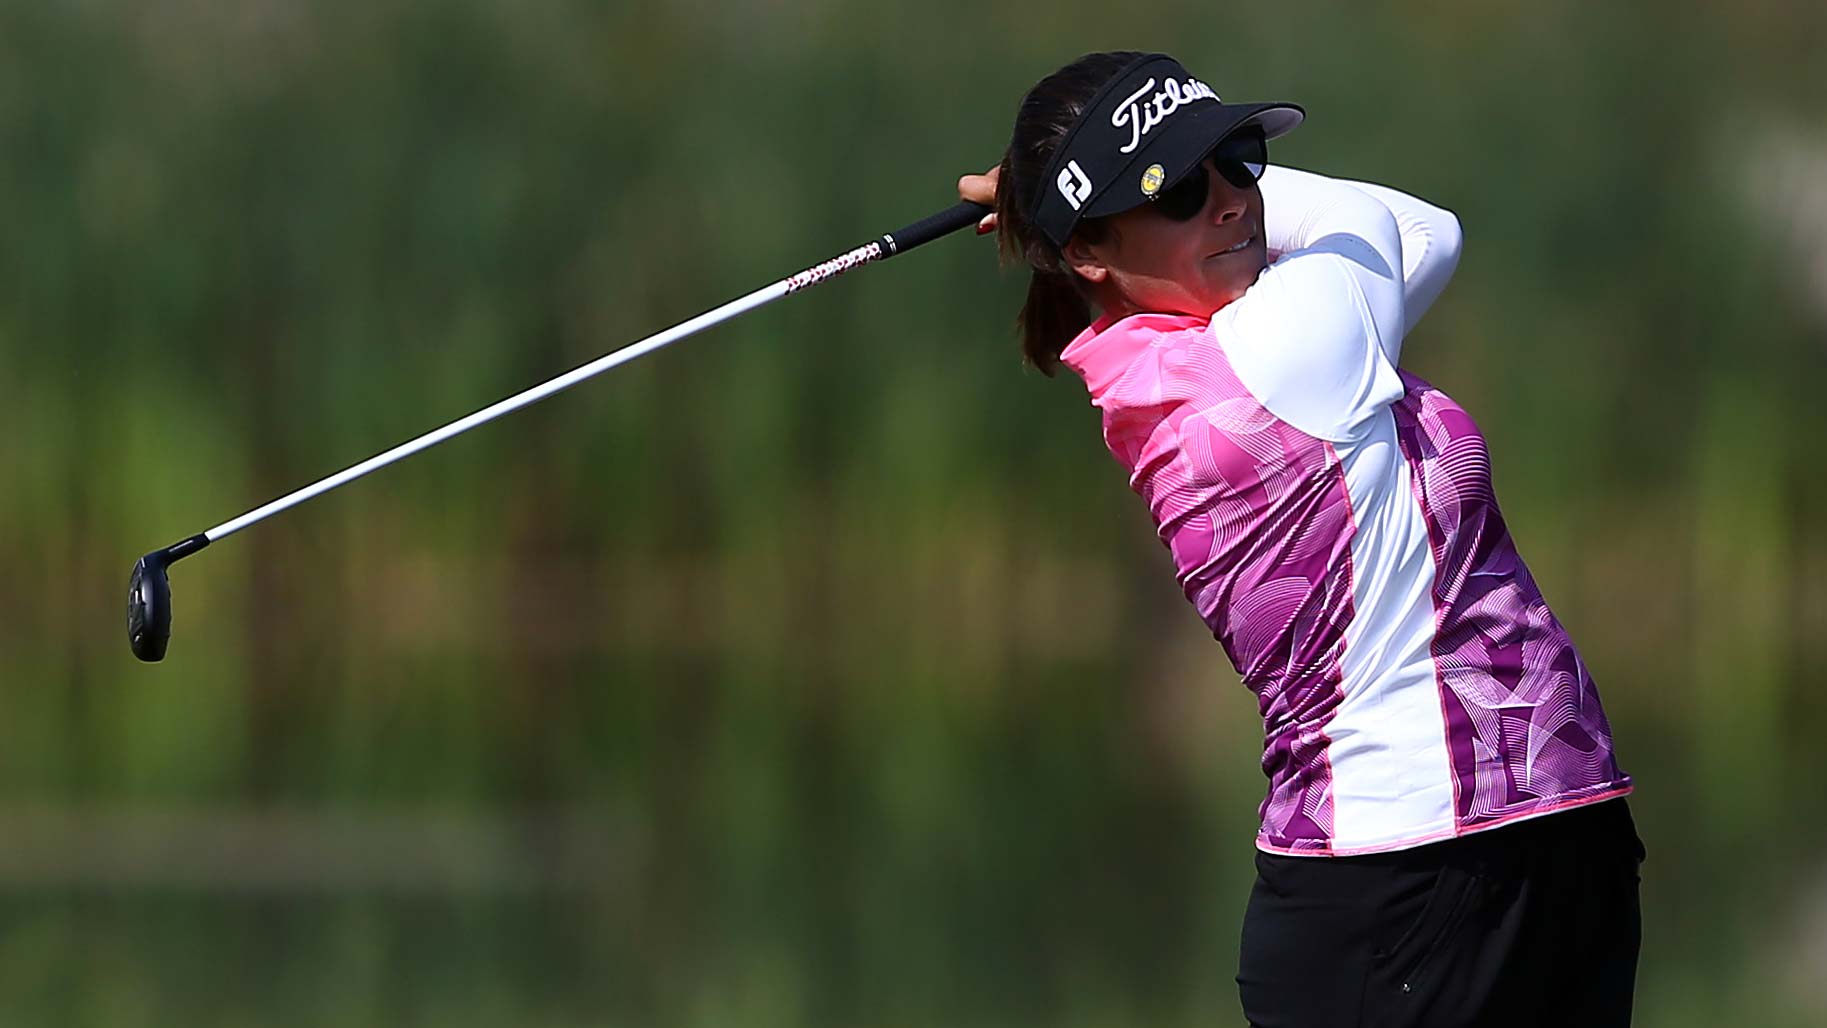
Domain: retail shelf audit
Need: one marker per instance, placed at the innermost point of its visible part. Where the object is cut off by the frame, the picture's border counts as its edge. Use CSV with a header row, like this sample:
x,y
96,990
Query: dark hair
x,y
1057,307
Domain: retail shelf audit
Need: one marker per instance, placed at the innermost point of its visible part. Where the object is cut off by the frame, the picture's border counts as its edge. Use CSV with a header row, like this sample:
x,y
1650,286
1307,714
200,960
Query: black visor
x,y
1141,134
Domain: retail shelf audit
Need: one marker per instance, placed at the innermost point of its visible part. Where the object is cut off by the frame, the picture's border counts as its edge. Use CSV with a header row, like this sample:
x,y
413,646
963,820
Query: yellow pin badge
x,y
1152,179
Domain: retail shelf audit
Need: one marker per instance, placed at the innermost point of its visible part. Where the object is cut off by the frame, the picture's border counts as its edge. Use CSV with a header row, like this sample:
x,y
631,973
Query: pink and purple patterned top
x,y
1333,521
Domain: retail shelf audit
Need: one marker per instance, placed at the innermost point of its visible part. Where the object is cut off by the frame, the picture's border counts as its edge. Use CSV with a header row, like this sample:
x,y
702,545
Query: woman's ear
x,y
1079,256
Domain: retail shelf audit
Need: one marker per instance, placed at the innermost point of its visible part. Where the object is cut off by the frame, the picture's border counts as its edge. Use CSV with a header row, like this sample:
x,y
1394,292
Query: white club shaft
x,y
758,298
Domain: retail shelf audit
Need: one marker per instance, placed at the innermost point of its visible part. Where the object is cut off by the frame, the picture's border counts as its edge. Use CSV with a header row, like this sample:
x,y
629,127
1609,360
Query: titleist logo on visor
x,y
1142,115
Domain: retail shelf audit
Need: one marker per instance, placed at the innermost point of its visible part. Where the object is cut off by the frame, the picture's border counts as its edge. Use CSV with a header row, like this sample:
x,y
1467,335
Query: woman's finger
x,y
981,189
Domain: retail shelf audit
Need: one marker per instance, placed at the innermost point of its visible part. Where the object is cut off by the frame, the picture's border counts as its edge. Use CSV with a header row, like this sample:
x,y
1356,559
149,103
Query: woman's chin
x,y
1240,272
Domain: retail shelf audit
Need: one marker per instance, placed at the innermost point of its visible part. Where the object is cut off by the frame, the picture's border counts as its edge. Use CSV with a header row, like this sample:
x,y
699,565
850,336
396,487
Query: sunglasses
x,y
1240,157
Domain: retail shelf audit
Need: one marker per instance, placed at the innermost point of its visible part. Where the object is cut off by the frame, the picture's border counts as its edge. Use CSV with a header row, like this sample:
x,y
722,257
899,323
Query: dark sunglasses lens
x,y
1241,157
1187,197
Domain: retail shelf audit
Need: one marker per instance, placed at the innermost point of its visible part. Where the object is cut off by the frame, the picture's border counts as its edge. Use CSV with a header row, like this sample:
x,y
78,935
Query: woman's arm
x,y
1430,235
1430,247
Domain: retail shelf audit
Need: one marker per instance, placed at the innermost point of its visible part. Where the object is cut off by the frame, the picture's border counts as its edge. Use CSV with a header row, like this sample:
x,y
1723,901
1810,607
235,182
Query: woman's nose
x,y
1228,202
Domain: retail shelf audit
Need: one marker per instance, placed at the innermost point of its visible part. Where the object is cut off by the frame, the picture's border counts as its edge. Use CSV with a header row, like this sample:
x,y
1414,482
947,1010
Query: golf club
x,y
149,588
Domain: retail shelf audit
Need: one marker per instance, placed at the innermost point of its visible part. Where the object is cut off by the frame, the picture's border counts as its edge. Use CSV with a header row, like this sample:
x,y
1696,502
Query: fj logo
x,y
1074,185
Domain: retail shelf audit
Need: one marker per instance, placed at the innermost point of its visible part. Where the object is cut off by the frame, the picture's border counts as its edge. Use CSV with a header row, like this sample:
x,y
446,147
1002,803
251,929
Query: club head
x,y
149,607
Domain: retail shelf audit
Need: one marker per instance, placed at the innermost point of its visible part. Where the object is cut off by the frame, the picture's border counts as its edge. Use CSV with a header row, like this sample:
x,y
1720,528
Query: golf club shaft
x,y
886,246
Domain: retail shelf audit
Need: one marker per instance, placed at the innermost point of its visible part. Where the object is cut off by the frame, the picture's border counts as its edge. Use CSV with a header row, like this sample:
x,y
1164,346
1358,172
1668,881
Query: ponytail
x,y
1054,313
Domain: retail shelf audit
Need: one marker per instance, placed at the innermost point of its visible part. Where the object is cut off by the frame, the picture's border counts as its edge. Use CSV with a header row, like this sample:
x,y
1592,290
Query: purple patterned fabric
x,y
1525,728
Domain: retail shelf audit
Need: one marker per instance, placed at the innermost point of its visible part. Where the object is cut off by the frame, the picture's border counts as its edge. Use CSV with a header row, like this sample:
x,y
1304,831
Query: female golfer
x,y
1444,840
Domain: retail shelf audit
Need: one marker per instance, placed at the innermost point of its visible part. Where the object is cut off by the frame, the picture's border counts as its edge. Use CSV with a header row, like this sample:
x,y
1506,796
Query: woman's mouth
x,y
1246,241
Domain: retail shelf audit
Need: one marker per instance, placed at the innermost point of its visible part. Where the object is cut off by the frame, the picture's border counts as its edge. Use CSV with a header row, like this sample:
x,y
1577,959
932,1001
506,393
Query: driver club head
x,y
149,598
149,607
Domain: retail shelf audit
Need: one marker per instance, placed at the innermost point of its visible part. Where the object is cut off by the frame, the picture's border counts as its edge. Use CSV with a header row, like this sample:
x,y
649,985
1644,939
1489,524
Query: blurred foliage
x,y
842,630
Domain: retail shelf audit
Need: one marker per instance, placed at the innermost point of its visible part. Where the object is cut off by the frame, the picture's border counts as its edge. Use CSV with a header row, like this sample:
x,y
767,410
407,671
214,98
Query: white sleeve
x,y
1431,237
1430,248
1312,338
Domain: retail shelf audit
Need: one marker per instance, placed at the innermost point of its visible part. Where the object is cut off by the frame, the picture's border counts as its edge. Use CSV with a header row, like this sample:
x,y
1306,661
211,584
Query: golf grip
x,y
927,229
888,244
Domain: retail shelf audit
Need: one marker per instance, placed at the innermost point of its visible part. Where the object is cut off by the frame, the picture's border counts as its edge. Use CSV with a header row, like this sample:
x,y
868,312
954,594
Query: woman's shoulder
x,y
1118,350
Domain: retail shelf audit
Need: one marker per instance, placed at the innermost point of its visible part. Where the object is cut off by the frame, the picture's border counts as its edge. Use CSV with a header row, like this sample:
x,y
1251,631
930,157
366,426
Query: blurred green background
x,y
822,670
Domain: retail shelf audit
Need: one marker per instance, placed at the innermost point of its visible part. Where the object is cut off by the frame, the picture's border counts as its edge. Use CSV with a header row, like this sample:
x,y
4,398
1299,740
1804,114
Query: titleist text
x,y
1142,115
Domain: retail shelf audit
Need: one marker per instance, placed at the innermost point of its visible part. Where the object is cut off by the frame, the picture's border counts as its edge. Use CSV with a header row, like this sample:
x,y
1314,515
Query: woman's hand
x,y
981,189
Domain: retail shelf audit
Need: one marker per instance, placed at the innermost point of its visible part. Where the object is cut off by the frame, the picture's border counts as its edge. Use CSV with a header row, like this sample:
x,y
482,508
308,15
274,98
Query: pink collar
x,y
1108,346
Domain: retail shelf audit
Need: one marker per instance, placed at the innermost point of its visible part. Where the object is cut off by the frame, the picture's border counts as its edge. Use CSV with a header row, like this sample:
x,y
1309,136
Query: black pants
x,y
1534,923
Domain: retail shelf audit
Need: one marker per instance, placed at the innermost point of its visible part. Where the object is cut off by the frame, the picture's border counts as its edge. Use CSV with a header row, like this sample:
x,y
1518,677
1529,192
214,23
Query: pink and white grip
x,y
834,267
